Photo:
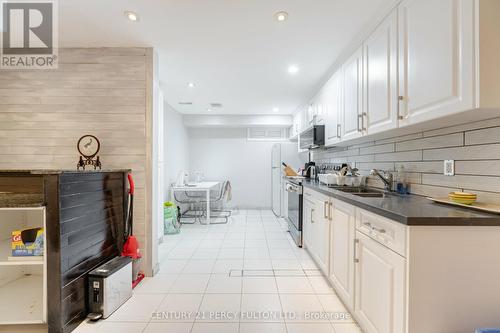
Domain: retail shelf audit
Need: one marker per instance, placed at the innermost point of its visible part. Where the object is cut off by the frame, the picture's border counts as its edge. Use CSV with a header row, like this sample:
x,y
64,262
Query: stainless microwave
x,y
313,137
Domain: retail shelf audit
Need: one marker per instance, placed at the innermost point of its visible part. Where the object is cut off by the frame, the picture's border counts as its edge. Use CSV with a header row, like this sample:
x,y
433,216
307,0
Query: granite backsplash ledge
x,y
475,147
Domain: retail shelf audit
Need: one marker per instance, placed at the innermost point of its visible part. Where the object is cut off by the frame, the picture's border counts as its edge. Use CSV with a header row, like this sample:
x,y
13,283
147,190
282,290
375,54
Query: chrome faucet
x,y
385,176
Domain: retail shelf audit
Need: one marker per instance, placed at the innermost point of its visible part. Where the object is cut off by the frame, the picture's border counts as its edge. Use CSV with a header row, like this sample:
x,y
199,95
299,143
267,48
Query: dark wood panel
x,y
74,200
89,186
83,268
91,232
76,224
88,207
80,177
74,299
53,243
21,183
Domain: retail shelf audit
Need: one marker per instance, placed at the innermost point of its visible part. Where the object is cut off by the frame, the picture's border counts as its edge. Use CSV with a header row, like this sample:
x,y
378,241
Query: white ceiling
x,y
233,50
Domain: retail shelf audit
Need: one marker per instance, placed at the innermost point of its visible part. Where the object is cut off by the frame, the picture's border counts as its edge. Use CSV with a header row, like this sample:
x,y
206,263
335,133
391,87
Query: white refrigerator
x,y
282,152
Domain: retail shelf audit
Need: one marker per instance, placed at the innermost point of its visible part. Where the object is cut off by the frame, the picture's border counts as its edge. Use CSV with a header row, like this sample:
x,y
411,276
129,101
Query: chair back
x,y
227,190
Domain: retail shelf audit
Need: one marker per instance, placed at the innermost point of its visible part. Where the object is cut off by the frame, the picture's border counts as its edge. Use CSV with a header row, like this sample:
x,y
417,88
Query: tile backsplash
x,y
475,147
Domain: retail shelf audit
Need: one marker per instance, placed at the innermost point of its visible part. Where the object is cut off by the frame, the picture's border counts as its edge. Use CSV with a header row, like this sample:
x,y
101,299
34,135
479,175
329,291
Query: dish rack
x,y
335,179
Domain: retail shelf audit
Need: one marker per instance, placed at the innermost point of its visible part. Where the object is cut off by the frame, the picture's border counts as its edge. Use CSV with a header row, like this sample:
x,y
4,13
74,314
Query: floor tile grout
x,y
257,237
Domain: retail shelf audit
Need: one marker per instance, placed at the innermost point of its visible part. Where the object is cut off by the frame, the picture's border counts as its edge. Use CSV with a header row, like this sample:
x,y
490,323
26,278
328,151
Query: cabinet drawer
x,y
387,232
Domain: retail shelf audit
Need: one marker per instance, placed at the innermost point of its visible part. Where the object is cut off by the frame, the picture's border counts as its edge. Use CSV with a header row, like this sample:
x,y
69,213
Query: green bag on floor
x,y
170,222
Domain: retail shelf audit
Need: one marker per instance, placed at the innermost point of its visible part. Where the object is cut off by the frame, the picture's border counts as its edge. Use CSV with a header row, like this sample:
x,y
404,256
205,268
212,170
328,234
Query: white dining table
x,y
197,187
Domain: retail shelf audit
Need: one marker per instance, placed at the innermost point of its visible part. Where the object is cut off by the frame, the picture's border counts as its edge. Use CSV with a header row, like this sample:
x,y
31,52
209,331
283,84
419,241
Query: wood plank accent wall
x,y
475,147
100,91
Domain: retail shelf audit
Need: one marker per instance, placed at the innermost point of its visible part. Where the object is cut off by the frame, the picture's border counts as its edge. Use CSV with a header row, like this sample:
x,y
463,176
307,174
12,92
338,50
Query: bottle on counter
x,y
401,183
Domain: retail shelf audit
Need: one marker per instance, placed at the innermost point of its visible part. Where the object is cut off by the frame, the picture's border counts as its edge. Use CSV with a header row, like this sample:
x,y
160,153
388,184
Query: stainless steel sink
x,y
362,192
369,195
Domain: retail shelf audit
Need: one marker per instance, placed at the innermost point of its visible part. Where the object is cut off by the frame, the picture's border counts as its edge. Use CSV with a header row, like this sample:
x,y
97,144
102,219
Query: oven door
x,y
294,192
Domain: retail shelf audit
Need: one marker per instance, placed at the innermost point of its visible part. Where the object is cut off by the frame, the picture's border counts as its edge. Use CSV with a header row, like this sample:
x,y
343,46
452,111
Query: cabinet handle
x,y
360,116
312,211
382,231
339,127
330,206
369,225
363,115
325,209
356,241
401,117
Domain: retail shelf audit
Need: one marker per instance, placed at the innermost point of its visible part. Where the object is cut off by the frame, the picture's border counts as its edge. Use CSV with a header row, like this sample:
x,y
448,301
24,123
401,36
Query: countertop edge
x,y
482,219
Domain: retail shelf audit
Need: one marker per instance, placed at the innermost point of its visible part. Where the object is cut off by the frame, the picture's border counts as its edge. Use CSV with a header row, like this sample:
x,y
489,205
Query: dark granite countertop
x,y
52,172
21,200
411,209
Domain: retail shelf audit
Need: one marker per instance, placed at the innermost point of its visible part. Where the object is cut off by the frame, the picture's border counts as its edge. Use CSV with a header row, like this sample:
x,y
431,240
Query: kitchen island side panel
x,y
91,227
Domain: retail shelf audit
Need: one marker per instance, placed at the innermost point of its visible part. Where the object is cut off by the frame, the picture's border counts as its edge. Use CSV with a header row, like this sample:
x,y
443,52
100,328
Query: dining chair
x,y
218,199
193,213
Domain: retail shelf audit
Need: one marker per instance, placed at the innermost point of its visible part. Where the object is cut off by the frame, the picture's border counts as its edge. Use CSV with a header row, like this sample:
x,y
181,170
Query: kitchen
x,y
298,167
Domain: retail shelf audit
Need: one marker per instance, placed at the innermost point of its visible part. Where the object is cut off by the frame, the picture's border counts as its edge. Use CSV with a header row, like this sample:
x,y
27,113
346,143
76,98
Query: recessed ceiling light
x,y
132,16
276,110
191,84
281,16
293,69
209,110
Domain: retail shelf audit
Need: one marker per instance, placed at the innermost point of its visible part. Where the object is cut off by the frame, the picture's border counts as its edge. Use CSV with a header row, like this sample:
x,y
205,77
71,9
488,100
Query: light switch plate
x,y
449,167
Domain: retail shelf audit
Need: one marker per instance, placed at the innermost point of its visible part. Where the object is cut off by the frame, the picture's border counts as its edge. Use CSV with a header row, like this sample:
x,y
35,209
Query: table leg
x,y
208,206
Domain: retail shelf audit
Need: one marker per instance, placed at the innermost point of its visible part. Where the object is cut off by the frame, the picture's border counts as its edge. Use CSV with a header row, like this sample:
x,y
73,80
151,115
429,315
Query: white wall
x,y
176,146
225,153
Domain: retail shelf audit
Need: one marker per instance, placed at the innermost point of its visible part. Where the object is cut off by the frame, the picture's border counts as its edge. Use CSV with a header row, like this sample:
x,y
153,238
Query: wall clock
x,y
88,146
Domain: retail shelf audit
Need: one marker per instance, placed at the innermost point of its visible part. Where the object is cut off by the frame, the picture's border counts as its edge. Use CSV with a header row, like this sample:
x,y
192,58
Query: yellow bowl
x,y
463,195
464,201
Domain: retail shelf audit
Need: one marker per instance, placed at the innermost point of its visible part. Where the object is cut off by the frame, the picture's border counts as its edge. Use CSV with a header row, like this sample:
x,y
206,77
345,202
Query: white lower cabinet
x,y
307,211
396,278
356,250
316,228
380,287
342,230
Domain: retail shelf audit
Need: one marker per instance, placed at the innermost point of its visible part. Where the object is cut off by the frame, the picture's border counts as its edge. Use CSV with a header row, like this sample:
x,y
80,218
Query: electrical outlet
x,y
449,167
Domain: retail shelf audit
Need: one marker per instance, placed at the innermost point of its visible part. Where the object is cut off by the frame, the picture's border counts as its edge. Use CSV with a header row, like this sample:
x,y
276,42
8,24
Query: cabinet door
x,y
310,112
319,108
342,231
332,109
436,58
380,53
320,232
307,211
352,96
380,287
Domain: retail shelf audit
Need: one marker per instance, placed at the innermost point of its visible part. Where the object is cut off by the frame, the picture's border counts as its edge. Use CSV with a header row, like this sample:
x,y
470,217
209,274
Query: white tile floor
x,y
236,277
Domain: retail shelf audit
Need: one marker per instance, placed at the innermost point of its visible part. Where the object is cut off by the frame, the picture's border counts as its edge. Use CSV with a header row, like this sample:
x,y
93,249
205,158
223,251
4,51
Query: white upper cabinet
x,y
332,109
380,52
431,63
319,108
296,125
436,59
353,96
